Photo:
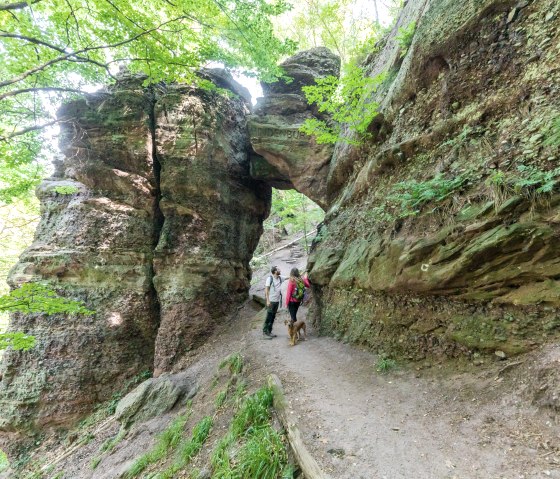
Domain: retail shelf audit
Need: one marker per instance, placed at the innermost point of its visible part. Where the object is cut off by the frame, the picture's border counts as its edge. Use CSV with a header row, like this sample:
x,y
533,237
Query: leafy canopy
x,y
53,49
346,27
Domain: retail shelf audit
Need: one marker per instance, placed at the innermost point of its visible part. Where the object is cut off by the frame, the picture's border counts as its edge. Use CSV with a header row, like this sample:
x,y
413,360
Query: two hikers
x,y
273,296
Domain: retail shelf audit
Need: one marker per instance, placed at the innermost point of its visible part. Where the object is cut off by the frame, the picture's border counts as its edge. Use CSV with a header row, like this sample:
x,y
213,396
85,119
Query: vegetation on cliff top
x,y
53,49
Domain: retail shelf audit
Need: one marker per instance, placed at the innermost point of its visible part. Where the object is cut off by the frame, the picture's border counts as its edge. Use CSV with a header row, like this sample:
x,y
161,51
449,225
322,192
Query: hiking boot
x,y
272,335
266,335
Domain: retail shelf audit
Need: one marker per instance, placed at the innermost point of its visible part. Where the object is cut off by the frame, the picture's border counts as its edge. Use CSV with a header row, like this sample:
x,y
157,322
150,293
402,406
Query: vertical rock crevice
x,y
158,217
213,214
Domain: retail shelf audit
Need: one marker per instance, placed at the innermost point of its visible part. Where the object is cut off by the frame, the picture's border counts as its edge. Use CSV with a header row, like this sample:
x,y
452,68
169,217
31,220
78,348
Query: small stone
x,y
500,354
204,474
549,16
337,452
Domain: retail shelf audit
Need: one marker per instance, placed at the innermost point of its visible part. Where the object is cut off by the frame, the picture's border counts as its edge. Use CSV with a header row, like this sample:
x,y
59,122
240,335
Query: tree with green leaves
x,y
347,101
53,50
346,27
293,209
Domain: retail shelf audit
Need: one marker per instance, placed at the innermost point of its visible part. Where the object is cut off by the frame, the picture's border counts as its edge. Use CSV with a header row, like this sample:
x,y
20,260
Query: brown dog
x,y
294,330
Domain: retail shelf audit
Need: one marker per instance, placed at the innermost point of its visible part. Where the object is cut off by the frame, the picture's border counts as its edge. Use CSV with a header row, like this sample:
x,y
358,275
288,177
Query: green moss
x,y
484,334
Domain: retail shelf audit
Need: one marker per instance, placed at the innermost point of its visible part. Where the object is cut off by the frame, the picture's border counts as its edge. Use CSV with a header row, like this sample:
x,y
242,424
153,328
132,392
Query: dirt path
x,y
420,421
361,424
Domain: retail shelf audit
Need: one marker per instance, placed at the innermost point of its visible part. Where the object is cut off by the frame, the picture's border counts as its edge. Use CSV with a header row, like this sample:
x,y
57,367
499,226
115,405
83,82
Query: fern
x,y
553,133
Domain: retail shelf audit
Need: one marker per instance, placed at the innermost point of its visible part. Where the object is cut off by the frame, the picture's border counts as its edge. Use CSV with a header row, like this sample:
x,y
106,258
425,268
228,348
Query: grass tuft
x,y
234,362
384,365
4,464
166,442
220,399
261,452
95,462
189,448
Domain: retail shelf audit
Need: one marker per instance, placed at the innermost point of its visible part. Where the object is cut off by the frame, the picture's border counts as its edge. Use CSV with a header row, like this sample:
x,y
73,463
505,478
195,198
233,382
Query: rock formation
x,y
289,158
436,238
156,238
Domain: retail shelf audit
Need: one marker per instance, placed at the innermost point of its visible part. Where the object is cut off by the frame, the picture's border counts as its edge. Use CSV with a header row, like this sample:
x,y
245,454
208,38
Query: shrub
x,y
348,103
405,36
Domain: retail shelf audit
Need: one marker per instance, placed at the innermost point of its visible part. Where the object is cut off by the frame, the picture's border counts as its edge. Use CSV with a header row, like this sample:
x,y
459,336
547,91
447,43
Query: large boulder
x,y
213,213
154,397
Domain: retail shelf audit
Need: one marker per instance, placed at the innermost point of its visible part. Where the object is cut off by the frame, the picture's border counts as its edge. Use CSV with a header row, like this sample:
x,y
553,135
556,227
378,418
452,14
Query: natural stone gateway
x,y
293,159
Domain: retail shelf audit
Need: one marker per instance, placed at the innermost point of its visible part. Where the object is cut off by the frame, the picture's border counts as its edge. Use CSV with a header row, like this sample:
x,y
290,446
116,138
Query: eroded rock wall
x,y
155,236
95,245
213,216
476,266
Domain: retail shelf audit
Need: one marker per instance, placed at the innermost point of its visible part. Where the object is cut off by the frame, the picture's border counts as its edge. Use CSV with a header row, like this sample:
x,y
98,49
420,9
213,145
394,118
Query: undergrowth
x,y
189,448
407,198
251,447
166,442
410,196
4,464
527,181
553,133
234,362
404,37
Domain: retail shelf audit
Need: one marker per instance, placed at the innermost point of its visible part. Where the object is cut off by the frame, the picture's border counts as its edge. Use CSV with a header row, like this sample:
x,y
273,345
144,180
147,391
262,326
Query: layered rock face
x,y
213,216
287,158
436,237
155,236
96,245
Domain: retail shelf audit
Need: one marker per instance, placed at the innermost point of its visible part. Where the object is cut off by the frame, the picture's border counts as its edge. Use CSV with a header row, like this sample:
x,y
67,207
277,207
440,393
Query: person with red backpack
x,y
295,292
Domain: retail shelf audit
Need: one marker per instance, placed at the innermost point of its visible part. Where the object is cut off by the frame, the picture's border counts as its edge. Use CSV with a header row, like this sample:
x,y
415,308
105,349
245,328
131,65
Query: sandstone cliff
x,y
434,239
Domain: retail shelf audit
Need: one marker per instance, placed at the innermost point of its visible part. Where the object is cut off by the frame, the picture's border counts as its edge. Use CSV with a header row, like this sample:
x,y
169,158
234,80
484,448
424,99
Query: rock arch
x,y
168,207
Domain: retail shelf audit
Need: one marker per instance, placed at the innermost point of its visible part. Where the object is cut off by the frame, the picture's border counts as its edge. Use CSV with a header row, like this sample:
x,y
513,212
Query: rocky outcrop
x,y
213,216
94,244
155,236
436,238
286,157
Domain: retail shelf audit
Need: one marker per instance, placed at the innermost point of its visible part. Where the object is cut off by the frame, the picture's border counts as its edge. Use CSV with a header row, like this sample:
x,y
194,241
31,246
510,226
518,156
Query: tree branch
x,y
29,129
47,89
17,5
68,56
